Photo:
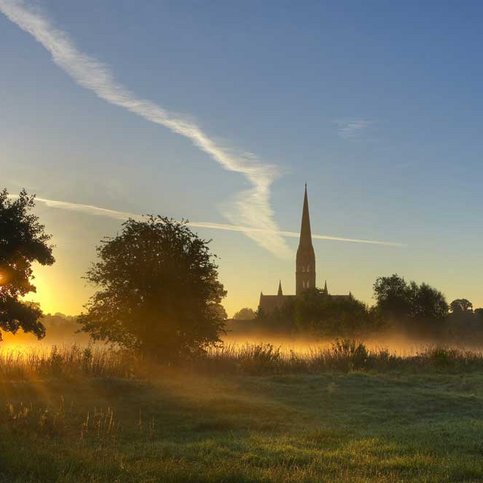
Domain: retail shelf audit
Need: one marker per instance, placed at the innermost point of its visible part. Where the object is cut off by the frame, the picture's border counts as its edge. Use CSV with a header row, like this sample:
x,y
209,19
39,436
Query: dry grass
x,y
343,355
67,361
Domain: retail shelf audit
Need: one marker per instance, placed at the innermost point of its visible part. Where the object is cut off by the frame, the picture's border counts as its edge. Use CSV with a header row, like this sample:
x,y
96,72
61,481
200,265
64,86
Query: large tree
x,y
158,290
428,303
393,297
403,302
23,241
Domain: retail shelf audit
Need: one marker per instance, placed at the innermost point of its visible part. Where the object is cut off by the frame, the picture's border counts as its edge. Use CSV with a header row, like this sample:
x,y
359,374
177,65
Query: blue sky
x,y
376,105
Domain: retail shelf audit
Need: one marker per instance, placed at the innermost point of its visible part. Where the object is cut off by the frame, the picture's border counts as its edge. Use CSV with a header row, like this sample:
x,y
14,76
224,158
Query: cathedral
x,y
304,268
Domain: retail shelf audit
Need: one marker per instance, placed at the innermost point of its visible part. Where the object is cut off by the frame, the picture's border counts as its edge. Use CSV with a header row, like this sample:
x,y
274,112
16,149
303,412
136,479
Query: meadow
x,y
248,413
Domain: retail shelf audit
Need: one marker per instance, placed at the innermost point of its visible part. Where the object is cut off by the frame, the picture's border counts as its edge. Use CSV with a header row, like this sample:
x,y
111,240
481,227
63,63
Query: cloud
x,y
352,128
251,207
123,215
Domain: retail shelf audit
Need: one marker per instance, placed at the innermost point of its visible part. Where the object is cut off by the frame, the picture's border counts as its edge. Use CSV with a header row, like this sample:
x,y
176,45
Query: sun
x,y
3,278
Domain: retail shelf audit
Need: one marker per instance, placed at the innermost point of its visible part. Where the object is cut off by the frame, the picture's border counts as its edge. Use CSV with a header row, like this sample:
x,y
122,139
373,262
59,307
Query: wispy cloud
x,y
124,215
352,128
251,207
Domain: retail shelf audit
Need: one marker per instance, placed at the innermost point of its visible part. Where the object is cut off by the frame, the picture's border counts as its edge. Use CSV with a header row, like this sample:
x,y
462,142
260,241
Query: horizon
x,y
374,112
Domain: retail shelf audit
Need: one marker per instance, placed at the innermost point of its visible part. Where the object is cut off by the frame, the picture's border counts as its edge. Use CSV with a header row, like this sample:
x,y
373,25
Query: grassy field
x,y
100,418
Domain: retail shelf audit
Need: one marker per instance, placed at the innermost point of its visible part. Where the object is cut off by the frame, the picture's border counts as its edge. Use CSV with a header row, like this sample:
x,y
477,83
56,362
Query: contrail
x,y
124,215
251,208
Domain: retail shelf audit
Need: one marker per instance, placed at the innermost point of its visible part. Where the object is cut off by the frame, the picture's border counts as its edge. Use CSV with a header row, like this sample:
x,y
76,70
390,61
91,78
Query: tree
x,y
23,241
158,290
459,306
427,303
245,314
479,314
316,311
393,297
403,302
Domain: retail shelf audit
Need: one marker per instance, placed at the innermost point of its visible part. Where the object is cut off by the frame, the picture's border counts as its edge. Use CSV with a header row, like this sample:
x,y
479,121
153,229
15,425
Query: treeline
x,y
406,307
59,329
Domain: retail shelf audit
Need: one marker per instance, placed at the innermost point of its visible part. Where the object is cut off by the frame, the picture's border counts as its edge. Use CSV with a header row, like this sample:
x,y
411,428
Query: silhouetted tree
x,y
460,306
479,314
158,290
463,322
410,304
23,241
393,297
427,303
245,314
316,312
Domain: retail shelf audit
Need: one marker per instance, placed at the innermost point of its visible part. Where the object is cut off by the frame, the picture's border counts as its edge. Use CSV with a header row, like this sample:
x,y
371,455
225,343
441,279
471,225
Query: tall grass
x,y
253,359
343,355
68,361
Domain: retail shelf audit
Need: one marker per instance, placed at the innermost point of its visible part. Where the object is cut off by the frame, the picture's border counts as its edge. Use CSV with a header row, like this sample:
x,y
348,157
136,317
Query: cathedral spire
x,y
305,261
305,231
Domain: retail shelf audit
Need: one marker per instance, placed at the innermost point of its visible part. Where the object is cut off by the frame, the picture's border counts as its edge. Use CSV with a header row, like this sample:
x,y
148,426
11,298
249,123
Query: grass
x,y
247,415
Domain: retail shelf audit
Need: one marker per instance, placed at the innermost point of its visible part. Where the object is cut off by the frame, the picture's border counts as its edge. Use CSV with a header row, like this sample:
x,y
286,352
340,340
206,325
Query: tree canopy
x,y
245,314
404,302
158,290
317,313
461,306
23,241
328,315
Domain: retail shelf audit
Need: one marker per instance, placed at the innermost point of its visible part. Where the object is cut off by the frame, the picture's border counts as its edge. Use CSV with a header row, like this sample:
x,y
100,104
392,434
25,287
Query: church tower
x,y
305,261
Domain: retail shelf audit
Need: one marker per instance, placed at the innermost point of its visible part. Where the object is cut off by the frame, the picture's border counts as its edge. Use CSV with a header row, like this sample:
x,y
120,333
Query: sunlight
x,y
3,278
9,347
44,296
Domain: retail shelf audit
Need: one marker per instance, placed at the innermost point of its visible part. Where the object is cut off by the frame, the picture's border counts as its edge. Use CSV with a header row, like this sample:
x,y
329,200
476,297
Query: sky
x,y
219,112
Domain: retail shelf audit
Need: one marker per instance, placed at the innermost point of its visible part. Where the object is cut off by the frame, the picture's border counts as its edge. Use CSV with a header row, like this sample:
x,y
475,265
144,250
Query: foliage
x,y
393,297
23,241
409,304
158,290
464,323
245,314
329,315
316,312
479,314
427,303
460,306
355,353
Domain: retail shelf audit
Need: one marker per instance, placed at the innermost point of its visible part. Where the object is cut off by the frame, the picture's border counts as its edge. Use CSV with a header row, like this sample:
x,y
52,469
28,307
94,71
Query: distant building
x,y
304,268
